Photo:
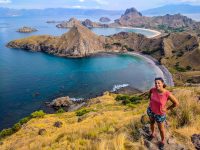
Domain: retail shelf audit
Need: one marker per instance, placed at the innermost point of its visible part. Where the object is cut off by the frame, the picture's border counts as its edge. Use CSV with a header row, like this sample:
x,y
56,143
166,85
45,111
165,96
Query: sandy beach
x,y
156,33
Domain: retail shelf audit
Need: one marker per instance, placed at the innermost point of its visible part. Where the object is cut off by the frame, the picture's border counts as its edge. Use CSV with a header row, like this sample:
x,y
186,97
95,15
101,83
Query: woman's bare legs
x,y
162,131
152,123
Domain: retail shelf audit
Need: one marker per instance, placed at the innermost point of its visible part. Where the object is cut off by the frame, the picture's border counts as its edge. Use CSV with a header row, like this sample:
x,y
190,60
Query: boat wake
x,y
76,99
119,86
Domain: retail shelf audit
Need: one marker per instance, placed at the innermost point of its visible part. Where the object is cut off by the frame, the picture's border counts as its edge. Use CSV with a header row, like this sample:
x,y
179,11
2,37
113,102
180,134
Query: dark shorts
x,y
157,118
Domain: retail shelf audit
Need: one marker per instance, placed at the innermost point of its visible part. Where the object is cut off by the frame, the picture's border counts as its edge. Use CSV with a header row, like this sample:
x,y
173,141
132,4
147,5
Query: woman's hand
x,y
175,102
164,110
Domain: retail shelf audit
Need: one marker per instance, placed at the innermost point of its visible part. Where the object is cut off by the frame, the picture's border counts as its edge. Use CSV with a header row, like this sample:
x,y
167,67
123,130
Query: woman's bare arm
x,y
174,101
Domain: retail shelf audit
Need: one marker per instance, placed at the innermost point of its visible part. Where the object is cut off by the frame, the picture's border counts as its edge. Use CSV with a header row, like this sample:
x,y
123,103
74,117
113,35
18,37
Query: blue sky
x,y
89,4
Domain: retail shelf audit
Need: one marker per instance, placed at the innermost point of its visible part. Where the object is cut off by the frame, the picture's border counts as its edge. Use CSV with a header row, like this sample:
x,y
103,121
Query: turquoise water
x,y
28,79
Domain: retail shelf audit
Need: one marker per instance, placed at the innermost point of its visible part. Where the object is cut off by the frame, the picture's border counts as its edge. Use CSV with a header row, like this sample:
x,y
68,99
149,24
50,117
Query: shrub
x,y
125,102
82,111
178,68
24,120
6,132
135,99
38,114
188,68
16,127
128,99
122,97
59,111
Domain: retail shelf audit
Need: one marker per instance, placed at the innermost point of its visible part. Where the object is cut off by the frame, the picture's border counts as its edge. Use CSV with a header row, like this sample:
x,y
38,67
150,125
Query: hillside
x,y
178,22
106,122
78,42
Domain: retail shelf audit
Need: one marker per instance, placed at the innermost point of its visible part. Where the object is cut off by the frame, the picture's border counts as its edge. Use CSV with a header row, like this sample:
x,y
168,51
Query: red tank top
x,y
158,101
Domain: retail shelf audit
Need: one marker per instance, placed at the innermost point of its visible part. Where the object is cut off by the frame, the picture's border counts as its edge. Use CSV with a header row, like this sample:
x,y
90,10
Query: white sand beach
x,y
156,33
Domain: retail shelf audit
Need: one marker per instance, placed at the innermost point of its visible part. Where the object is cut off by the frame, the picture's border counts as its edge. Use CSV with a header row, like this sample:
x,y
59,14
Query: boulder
x,y
61,102
196,140
42,131
58,124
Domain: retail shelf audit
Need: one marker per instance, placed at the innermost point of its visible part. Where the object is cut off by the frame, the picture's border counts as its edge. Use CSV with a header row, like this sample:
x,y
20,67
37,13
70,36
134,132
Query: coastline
x,y
160,68
156,33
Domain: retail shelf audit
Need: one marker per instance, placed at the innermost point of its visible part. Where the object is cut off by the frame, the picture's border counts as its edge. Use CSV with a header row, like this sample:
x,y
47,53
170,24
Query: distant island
x,y
104,19
133,18
26,30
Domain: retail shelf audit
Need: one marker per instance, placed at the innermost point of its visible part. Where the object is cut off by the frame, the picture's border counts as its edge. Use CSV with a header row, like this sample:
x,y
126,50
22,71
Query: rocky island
x,y
104,19
133,18
26,30
87,23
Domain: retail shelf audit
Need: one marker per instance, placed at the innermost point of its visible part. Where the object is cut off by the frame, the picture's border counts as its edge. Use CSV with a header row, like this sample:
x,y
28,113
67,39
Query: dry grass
x,y
185,120
104,128
111,126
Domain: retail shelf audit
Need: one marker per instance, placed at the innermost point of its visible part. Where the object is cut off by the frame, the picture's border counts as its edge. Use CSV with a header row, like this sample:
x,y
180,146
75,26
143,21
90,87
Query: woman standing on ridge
x,y
157,107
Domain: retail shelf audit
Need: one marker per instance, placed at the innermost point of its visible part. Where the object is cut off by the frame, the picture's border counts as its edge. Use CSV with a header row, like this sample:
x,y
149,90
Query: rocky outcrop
x,y
66,103
196,140
104,19
132,17
87,23
68,24
61,102
26,30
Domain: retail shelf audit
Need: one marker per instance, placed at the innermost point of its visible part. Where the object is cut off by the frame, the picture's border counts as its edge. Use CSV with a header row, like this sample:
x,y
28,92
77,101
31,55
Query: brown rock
x,y
196,140
58,124
61,102
42,131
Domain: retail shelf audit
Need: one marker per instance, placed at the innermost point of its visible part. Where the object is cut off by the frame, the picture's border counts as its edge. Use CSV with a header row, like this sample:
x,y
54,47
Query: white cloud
x,y
5,1
78,6
102,2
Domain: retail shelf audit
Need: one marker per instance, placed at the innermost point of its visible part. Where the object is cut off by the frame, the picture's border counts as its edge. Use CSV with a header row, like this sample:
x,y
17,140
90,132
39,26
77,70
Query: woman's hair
x,y
161,79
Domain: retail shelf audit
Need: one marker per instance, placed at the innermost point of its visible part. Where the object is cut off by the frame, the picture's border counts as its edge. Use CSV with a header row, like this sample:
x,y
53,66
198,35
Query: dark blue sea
x,y
29,79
